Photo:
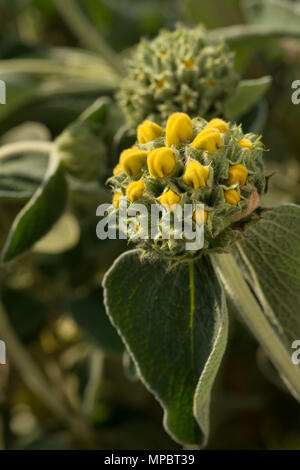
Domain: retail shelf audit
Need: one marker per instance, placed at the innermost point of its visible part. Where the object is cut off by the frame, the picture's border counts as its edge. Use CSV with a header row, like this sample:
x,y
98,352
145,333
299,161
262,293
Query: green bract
x,y
217,165
178,71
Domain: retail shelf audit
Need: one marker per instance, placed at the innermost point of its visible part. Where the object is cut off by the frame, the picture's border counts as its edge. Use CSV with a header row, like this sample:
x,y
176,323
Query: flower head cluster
x,y
177,71
190,162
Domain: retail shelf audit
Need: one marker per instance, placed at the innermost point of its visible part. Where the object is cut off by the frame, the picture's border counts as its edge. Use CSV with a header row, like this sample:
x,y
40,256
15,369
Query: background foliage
x,y
52,295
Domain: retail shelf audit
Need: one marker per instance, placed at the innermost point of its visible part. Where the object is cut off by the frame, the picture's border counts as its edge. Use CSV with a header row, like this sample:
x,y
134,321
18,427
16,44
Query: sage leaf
x,y
40,213
276,13
174,325
271,253
248,93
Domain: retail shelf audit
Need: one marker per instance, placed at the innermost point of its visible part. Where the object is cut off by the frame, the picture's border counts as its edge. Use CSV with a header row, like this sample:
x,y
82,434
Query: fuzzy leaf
x,y
272,247
174,324
248,93
278,13
39,215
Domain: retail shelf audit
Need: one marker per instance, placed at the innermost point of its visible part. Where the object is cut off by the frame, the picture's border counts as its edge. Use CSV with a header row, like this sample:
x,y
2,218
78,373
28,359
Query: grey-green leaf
x,y
272,247
174,324
39,214
248,93
273,13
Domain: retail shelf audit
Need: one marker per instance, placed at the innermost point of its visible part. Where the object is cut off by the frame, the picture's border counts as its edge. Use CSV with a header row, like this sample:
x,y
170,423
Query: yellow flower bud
x,y
132,160
237,174
118,170
232,197
116,201
161,162
200,216
169,198
135,190
218,124
209,139
246,143
148,131
195,175
179,128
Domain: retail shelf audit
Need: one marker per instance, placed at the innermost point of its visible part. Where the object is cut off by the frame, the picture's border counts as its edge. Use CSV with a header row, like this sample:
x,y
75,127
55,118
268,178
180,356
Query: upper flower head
x,y
178,71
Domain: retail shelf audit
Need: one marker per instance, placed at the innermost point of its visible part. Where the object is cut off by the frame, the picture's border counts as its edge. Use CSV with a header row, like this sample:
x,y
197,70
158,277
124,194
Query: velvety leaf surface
x,y
39,214
272,247
174,324
247,94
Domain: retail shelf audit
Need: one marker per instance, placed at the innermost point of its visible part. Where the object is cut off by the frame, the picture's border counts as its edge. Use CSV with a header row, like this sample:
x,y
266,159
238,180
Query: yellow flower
x,y
118,170
189,63
246,143
200,216
116,201
135,190
132,160
169,198
179,128
232,197
148,131
218,124
209,139
161,162
237,174
195,175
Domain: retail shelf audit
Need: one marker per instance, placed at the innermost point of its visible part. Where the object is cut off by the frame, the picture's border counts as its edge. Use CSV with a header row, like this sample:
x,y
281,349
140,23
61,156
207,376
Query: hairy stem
x,y
257,320
88,35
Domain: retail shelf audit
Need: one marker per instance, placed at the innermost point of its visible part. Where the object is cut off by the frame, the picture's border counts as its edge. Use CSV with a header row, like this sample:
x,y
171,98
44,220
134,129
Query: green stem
x,y
96,372
26,146
88,35
37,382
245,32
257,320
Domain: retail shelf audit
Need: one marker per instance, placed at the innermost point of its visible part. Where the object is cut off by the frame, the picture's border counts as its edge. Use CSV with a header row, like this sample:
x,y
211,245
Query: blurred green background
x,y
52,296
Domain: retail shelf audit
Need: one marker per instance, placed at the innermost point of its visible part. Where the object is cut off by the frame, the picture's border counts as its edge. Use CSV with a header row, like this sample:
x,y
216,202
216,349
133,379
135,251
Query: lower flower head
x,y
213,172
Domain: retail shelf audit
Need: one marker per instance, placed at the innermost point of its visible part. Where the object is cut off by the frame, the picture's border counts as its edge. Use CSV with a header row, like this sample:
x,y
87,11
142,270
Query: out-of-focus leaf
x,y
285,14
174,324
21,174
90,315
39,215
246,39
247,94
255,119
63,236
